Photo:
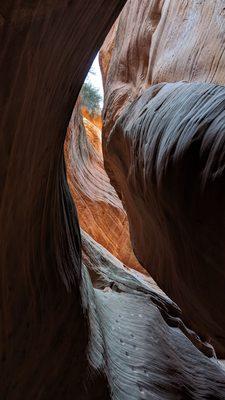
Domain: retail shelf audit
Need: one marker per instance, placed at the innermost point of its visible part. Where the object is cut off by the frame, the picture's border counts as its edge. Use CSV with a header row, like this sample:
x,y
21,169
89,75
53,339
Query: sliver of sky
x,y
94,76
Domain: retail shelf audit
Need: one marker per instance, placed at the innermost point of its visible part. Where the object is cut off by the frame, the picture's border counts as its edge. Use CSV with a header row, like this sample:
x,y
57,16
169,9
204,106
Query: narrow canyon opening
x,y
100,211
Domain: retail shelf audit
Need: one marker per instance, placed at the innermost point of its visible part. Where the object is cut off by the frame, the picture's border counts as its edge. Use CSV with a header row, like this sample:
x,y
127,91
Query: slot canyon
x,y
112,224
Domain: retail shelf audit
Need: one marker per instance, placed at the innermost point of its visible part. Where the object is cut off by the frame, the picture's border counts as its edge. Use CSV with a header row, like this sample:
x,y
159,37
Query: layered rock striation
x,y
167,154
161,41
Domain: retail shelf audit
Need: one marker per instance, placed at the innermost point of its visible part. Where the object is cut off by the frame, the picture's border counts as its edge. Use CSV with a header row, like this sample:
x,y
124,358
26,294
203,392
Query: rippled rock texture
x,y
166,154
100,211
157,41
147,347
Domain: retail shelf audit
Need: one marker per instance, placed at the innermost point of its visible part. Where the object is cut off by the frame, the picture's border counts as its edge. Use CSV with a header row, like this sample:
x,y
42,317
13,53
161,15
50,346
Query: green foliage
x,y
91,98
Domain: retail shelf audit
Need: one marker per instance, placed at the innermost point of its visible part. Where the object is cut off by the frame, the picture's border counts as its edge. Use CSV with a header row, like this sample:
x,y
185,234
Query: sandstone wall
x,y
47,47
174,194
161,41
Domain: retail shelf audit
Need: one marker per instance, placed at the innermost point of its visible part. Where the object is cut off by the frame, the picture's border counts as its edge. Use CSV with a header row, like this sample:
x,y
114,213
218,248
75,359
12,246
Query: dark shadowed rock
x,y
47,48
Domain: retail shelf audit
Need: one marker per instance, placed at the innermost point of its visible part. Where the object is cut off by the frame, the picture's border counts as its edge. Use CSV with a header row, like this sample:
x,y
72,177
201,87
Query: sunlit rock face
x,y
164,153
93,129
100,211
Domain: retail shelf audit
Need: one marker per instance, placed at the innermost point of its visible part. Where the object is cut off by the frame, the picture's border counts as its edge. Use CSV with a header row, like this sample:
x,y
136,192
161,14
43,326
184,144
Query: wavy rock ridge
x,y
161,41
168,162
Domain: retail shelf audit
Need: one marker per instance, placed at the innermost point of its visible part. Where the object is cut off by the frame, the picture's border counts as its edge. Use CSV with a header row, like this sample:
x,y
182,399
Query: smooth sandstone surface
x,y
168,168
47,48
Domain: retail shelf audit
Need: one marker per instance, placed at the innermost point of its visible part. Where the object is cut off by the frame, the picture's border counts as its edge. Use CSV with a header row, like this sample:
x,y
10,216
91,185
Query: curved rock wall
x,y
47,47
165,155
